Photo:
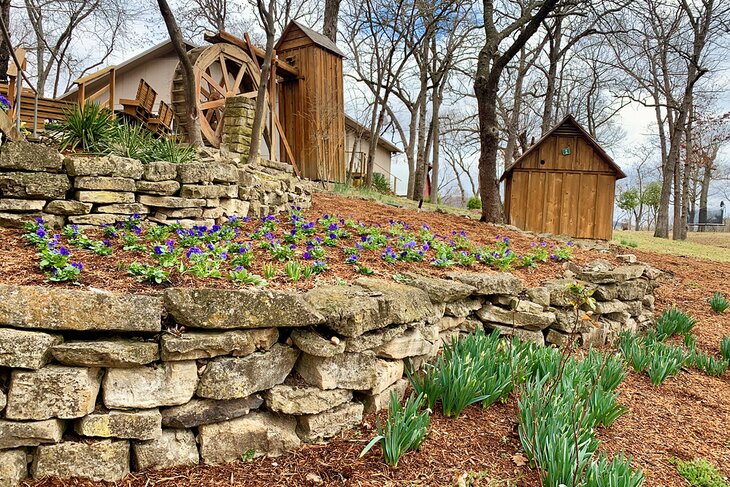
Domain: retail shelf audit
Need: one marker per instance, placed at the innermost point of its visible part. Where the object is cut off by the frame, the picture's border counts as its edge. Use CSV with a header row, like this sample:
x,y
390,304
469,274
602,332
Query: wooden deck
x,y
48,108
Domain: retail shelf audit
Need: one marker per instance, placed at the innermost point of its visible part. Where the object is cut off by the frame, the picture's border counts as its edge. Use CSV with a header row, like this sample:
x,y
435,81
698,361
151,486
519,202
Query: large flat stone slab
x,y
231,378
195,345
521,319
26,349
119,167
106,353
245,308
66,309
438,290
99,460
207,411
287,399
313,343
489,283
263,433
357,371
28,156
14,434
33,185
168,384
52,392
137,425
172,448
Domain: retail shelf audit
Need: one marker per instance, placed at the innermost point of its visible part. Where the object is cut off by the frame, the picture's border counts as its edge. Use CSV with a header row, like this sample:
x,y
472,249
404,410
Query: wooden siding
x,y
312,108
569,194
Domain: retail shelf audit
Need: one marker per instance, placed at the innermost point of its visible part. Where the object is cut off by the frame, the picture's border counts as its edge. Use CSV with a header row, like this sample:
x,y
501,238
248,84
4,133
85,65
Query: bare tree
x,y
267,15
192,124
491,63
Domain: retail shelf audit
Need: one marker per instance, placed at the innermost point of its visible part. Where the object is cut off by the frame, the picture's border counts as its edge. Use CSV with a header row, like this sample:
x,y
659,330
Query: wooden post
x,y
272,104
11,94
81,95
112,89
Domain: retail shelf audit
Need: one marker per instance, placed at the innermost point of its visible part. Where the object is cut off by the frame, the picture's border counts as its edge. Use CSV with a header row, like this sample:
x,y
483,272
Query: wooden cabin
x,y
564,184
312,107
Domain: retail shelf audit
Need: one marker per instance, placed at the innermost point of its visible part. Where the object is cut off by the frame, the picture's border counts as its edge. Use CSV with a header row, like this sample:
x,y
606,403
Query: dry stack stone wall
x,y
36,180
95,384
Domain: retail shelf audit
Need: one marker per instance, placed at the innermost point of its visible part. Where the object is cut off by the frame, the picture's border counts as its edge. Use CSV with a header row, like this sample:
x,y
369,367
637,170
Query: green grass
x,y
716,251
701,473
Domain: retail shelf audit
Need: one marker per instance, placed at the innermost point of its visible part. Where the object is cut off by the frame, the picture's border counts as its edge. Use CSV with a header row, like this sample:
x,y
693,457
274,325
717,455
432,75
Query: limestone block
x,y
412,343
315,428
464,307
137,425
207,411
52,392
26,349
357,371
168,384
104,183
97,219
438,290
13,467
104,197
14,434
13,205
159,171
124,209
263,433
534,321
523,334
68,207
106,353
387,373
195,345
297,400
66,309
169,201
539,295
230,377
99,460
374,339
120,167
173,448
33,185
313,343
159,188
28,156
244,308
377,402
492,283
209,191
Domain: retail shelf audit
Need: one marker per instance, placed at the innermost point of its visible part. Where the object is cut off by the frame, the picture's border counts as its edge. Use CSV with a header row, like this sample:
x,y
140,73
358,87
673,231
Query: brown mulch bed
x,y
686,417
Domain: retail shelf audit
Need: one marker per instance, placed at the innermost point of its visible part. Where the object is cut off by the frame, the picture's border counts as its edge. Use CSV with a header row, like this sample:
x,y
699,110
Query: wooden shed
x,y
564,184
312,107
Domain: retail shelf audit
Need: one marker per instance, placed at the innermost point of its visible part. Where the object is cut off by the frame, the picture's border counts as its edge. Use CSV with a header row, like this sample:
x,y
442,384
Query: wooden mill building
x,y
312,107
564,184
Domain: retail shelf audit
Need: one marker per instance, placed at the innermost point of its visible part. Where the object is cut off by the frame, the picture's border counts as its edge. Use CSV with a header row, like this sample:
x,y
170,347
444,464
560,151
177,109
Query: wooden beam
x,y
288,71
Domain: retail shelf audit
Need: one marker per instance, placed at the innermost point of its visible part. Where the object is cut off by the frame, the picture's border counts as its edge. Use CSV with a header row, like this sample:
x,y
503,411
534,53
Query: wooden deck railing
x,y
85,93
357,162
47,108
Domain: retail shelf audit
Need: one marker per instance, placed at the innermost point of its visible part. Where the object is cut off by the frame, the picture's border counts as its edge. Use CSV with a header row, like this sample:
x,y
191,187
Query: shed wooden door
x,y
562,202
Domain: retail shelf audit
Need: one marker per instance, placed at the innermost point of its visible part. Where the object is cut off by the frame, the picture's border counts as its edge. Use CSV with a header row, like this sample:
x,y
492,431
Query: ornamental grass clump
x,y
719,303
404,430
725,348
613,473
664,361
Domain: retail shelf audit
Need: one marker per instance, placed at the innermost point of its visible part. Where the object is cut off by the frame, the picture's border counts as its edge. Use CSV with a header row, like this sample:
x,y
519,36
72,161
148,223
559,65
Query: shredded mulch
x,y
686,417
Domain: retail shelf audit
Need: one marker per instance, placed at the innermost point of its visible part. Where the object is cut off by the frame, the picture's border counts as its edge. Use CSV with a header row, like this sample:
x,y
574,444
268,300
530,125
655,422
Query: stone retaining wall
x,y
96,384
36,180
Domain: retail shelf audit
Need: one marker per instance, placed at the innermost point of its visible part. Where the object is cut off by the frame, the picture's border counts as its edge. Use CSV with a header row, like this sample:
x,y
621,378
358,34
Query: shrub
x,y
381,184
719,303
474,203
701,473
405,429
673,322
617,472
725,348
87,128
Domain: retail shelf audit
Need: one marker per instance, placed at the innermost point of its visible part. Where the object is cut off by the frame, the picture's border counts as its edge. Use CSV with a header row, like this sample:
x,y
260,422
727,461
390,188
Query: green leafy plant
x,y
474,203
87,128
242,276
167,149
293,269
673,322
269,271
381,184
145,272
725,348
701,473
707,364
664,361
719,303
130,140
404,429
616,473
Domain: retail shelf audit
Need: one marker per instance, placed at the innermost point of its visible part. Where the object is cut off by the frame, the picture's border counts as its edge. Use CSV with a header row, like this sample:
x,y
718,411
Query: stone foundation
x,y
95,384
38,181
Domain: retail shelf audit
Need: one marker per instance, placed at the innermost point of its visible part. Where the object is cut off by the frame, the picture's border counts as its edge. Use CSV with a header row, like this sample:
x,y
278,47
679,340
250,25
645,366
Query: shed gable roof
x,y
317,38
568,120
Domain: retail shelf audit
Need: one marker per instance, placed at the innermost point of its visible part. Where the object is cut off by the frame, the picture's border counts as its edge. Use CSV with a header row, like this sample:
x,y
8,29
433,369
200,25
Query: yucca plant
x,y
673,322
614,473
725,348
664,361
719,303
128,140
87,128
167,149
404,429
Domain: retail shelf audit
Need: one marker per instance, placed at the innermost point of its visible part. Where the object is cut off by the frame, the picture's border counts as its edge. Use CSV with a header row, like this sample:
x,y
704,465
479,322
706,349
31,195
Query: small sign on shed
x,y
564,184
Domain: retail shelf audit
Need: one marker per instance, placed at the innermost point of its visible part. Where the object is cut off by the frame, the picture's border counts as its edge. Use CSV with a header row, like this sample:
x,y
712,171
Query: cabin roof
x,y
364,132
319,39
569,119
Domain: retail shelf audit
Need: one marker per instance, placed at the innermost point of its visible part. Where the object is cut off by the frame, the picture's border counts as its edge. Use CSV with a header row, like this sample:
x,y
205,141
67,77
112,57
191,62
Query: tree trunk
x,y
331,15
267,18
705,191
4,48
487,88
552,76
436,137
192,124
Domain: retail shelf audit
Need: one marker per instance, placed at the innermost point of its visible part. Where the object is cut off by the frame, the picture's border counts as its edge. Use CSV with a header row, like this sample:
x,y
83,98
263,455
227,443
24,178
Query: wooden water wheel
x,y
221,70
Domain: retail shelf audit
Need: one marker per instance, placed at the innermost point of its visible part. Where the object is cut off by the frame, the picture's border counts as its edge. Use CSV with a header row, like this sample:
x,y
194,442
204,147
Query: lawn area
x,y
714,246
